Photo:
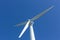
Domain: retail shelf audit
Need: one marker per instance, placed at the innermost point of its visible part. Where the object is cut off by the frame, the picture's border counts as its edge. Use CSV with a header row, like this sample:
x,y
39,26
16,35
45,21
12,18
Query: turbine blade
x,y
32,32
37,16
42,13
21,23
24,29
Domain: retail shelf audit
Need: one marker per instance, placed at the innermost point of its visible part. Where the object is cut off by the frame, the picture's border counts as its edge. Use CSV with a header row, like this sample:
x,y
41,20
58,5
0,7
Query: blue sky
x,y
13,12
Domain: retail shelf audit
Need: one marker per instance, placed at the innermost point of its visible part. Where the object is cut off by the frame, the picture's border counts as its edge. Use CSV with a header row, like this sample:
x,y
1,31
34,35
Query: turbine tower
x,y
32,35
30,23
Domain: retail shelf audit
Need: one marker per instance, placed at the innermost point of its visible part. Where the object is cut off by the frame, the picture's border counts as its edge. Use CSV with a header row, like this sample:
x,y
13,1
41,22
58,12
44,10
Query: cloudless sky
x,y
13,12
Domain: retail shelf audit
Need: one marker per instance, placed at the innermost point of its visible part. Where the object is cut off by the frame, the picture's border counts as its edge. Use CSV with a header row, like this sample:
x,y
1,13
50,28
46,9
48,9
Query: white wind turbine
x,y
30,23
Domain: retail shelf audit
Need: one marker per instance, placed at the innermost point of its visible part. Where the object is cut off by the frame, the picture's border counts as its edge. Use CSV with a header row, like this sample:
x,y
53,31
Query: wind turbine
x,y
30,23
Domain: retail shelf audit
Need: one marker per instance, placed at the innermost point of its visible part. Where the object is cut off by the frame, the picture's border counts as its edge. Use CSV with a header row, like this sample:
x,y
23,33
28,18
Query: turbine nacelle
x,y
31,22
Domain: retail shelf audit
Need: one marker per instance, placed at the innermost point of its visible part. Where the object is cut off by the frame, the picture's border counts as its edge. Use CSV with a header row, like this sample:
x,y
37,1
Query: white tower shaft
x,y
32,32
